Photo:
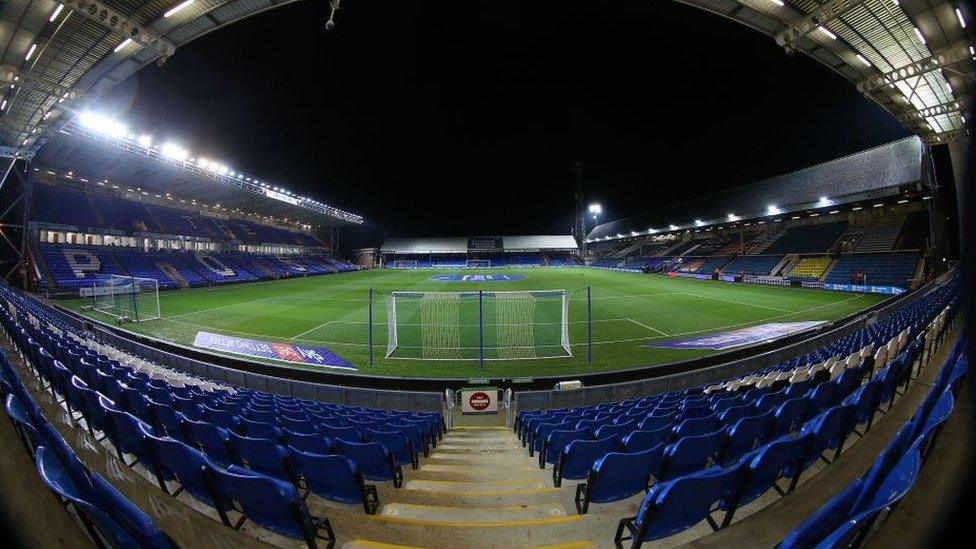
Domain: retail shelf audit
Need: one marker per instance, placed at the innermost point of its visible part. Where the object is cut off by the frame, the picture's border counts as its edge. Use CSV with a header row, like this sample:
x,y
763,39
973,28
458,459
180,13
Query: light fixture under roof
x,y
823,30
122,44
177,8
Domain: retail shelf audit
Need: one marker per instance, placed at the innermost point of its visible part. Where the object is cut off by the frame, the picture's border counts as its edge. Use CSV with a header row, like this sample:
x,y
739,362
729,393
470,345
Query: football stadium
x,y
440,275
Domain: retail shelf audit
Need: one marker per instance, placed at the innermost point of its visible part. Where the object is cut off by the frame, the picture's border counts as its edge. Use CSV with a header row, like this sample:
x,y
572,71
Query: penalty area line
x,y
651,328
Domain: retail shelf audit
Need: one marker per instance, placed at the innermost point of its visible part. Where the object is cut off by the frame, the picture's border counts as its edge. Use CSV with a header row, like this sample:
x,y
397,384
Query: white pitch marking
x,y
651,328
306,332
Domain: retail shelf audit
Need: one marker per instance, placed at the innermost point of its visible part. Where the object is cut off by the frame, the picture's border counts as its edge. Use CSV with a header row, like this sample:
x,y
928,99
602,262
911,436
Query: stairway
x,y
98,214
173,273
480,488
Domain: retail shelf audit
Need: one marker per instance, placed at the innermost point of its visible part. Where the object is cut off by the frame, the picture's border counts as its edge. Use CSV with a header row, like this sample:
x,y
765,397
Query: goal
x,y
478,263
405,264
127,298
478,325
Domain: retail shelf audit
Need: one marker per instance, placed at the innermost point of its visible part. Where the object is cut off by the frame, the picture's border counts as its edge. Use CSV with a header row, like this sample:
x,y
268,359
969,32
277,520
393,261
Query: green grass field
x,y
629,311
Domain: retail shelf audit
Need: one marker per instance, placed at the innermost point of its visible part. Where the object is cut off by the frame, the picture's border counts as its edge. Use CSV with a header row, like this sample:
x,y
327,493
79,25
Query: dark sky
x,y
434,117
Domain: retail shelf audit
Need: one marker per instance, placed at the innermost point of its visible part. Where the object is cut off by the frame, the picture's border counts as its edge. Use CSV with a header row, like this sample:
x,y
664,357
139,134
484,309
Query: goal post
x,y
478,325
477,263
127,298
405,264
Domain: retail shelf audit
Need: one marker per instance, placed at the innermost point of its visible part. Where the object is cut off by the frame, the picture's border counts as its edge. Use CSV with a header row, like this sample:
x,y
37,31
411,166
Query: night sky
x,y
457,118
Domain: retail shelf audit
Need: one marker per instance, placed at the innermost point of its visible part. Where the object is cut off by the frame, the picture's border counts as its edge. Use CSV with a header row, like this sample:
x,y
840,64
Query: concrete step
x,y
451,513
480,487
367,544
475,473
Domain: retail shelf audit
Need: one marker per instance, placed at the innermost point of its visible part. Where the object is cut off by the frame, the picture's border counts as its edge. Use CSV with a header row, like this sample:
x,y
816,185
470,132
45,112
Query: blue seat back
x,y
332,477
691,453
580,455
371,457
618,476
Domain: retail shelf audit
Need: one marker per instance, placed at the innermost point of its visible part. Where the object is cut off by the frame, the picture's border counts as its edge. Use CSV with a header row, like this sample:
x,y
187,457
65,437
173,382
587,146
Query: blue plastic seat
x,y
335,478
373,460
696,426
417,435
828,431
261,455
821,397
127,433
617,476
209,439
336,432
166,420
84,499
272,504
397,444
654,422
538,436
776,460
619,429
731,415
577,458
937,416
556,442
744,436
676,505
824,520
133,521
788,417
691,454
313,444
639,440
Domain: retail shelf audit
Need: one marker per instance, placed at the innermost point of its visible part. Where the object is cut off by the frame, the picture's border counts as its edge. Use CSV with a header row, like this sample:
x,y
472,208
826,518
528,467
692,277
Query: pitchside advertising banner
x,y
742,337
479,401
288,352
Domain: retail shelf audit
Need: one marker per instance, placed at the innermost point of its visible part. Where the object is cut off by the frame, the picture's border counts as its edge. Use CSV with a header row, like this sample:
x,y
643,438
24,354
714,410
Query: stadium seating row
x,y
65,206
732,441
75,266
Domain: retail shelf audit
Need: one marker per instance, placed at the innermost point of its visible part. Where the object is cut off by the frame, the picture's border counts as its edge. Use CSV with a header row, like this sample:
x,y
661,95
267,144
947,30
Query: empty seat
x,y
577,458
335,478
373,460
617,476
691,453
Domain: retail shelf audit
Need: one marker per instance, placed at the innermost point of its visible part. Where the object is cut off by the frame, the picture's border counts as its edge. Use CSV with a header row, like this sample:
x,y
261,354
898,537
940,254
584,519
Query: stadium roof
x,y
91,155
462,244
868,175
913,57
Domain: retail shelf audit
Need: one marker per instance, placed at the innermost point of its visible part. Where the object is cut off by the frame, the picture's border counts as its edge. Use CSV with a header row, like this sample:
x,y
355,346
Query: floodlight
x,y
773,210
673,227
824,201
103,125
30,52
733,217
57,11
174,151
863,60
144,141
918,33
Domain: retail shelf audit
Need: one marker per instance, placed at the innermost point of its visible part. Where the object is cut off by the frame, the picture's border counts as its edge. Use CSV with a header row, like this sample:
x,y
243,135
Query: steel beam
x,y
106,16
823,14
943,58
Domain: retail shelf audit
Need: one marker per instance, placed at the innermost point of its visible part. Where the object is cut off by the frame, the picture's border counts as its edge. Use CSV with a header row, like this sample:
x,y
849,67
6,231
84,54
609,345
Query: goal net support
x,y
478,325
127,298
477,263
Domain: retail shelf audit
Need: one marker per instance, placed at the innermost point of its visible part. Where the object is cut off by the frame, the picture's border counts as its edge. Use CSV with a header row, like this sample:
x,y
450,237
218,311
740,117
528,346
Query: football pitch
x,y
631,313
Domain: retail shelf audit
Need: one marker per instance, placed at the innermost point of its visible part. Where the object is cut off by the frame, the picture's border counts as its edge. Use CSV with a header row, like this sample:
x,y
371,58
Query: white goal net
x,y
470,325
405,264
478,263
128,298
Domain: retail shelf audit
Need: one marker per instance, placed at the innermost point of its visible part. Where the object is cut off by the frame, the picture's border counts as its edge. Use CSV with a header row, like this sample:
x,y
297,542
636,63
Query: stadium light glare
x,y
30,52
698,223
962,21
823,30
673,227
862,59
57,11
778,2
3,105
174,151
144,141
856,208
772,209
177,8
100,124
824,201
733,217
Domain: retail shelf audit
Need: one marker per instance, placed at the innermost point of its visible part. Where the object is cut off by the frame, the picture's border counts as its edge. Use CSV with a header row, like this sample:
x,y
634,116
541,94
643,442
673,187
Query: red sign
x,y
479,401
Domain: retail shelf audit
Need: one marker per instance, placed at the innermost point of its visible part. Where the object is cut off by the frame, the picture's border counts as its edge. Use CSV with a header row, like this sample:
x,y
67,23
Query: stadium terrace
x,y
192,356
